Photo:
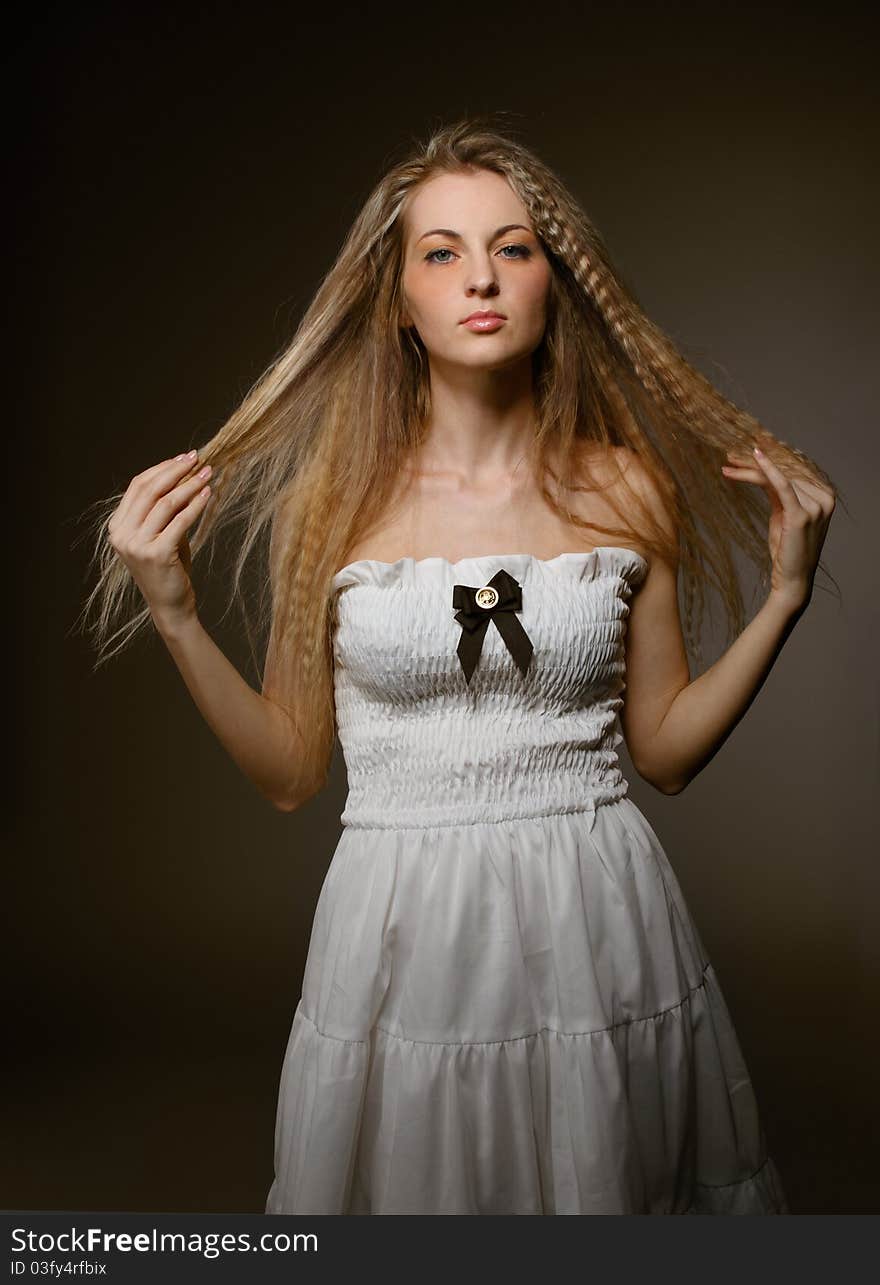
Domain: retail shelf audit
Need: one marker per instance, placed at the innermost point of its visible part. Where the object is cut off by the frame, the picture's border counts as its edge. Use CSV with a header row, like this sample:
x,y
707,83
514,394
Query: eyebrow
x,y
508,227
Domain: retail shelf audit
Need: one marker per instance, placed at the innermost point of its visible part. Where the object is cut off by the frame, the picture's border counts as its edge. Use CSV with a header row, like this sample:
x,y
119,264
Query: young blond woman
x,y
477,531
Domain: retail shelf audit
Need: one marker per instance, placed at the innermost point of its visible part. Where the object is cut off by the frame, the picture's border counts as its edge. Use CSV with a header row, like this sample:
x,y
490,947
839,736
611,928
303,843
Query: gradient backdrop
x,y
186,181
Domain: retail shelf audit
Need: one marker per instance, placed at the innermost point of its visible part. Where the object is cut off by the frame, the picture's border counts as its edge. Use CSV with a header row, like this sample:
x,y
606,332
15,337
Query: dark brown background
x,y
186,181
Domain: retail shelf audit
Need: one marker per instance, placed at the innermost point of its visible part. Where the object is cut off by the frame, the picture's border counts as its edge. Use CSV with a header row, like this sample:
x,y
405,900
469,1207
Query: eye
x,y
524,252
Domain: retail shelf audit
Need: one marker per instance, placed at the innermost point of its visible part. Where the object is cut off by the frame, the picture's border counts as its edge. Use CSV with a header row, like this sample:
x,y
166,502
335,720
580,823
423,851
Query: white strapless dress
x,y
506,1006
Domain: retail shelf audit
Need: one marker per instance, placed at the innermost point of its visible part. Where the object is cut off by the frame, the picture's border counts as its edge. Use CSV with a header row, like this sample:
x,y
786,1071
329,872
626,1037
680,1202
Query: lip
x,y
484,315
484,323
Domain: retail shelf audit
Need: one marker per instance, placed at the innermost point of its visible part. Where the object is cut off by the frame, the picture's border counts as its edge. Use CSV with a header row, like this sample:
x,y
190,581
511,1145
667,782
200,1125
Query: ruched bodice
x,y
423,746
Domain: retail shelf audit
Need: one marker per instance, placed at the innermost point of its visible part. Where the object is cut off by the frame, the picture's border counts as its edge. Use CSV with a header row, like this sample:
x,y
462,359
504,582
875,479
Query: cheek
x,y
537,289
433,308
423,294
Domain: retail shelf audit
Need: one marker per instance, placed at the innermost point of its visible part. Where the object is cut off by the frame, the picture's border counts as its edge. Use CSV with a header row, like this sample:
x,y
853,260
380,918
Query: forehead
x,y
476,200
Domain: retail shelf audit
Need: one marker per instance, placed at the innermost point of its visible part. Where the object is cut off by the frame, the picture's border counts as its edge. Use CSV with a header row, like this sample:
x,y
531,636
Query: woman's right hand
x,y
149,529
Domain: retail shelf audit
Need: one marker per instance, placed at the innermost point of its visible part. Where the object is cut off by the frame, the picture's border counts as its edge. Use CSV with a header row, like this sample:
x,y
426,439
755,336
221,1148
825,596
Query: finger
x,y
809,489
744,474
167,505
178,527
145,488
737,462
806,487
788,496
132,507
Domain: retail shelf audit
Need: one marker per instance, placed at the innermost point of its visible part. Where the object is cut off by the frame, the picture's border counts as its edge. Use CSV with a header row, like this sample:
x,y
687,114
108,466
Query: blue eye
x,y
525,252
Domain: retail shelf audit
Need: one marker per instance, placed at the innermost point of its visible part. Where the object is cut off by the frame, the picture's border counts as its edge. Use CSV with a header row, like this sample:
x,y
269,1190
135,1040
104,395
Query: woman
x,y
477,528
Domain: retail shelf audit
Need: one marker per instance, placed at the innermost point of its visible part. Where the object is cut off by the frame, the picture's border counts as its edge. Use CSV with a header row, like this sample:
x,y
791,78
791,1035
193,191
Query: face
x,y
488,265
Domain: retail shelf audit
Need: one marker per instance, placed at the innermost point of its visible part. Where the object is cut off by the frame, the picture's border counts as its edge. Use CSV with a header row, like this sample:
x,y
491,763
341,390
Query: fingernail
x,y
758,451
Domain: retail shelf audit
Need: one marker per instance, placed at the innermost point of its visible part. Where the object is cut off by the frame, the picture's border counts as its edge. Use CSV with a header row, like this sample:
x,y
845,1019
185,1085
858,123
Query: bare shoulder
x,y
632,466
651,491
608,464
618,471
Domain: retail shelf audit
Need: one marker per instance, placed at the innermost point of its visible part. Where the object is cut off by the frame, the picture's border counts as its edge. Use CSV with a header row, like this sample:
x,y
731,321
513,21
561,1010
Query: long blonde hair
x,y
313,451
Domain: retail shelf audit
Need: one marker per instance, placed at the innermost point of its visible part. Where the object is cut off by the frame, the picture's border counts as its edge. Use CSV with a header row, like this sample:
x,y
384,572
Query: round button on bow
x,y
477,607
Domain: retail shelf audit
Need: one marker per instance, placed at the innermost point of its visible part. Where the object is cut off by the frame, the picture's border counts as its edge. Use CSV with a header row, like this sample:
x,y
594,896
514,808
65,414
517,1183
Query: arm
x,y
676,730
148,530
258,734
674,726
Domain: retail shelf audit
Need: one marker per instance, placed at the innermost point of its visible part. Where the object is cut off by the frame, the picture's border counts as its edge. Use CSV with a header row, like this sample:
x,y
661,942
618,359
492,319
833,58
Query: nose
x,y
483,279
483,285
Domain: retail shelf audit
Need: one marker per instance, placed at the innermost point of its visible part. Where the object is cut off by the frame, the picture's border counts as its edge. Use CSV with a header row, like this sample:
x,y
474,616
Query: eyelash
x,y
514,245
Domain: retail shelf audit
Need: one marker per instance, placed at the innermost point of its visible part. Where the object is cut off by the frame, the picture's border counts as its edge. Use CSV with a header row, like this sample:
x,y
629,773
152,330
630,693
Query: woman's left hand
x,y
800,513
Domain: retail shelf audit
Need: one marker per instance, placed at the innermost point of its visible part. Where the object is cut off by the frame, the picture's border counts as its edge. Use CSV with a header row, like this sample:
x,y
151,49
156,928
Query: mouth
x,y
484,322
486,315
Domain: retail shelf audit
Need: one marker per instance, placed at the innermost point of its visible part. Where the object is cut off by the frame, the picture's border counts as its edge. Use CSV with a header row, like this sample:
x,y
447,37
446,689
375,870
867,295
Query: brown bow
x,y
497,601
